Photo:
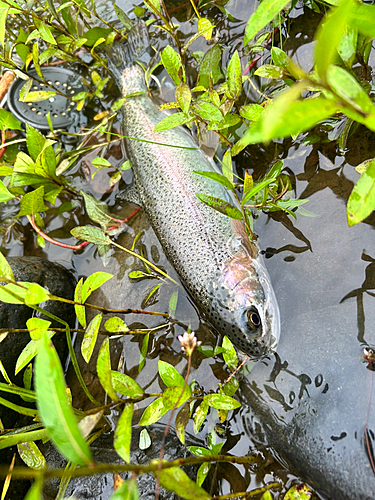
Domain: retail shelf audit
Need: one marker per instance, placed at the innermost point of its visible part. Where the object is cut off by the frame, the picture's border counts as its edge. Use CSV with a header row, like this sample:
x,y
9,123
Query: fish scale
x,y
228,284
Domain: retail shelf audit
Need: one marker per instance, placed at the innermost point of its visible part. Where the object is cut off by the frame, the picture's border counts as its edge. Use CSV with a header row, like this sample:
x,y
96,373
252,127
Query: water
x,y
314,263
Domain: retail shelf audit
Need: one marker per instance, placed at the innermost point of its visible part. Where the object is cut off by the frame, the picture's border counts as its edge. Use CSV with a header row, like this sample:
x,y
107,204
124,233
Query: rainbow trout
x,y
216,262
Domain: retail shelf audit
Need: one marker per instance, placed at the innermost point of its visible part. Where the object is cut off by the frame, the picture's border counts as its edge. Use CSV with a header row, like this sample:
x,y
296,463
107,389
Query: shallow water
x,y
314,263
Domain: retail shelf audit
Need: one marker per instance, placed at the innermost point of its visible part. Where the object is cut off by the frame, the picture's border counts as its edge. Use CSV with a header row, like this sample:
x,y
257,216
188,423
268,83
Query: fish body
x,y
215,261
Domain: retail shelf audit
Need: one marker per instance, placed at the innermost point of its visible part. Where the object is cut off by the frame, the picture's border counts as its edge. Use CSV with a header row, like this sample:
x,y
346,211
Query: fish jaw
x,y
244,291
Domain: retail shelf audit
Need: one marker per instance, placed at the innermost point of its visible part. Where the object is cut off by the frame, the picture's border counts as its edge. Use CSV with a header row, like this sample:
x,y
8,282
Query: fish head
x,y
244,305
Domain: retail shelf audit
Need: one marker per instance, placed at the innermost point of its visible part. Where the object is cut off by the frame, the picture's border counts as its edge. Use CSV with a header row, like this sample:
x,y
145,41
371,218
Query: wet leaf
x,y
127,491
173,304
270,71
173,397
172,63
200,415
263,15
210,67
230,387
5,269
90,336
36,294
298,492
80,310
347,87
144,440
93,282
220,205
31,455
91,234
215,176
5,195
103,368
144,349
175,479
183,97
202,473
153,412
251,112
182,419
328,36
362,198
116,325
205,26
7,120
234,76
55,411
98,211
221,402
123,433
207,111
170,375
229,354
172,121
32,203
125,385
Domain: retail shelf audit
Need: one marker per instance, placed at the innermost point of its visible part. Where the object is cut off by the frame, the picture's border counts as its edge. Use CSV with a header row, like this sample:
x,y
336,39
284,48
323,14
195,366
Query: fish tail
x,y
123,55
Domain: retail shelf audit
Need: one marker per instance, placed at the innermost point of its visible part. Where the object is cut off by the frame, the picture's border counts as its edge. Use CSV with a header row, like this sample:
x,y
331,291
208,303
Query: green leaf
x,y
14,293
46,33
32,203
202,473
256,190
36,294
4,9
172,63
200,415
329,34
5,269
127,491
171,121
363,19
263,15
173,397
116,325
126,21
7,120
347,87
251,112
89,339
91,234
266,496
153,412
210,67
348,46
28,353
98,211
207,111
270,71
221,402
31,455
35,141
362,198
144,349
125,385
98,162
174,479
93,282
94,35
199,451
80,310
35,53
36,491
103,368
215,176
54,408
220,205
183,96
234,76
281,59
298,492
170,375
37,326
229,354
123,433
144,440
182,419
173,304
230,388
205,28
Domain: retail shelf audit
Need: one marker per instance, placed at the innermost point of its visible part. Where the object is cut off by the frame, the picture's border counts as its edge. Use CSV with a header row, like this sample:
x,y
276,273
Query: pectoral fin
x,y
131,195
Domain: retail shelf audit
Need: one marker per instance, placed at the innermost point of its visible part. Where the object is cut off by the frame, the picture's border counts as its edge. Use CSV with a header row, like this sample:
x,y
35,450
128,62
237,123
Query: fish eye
x,y
253,318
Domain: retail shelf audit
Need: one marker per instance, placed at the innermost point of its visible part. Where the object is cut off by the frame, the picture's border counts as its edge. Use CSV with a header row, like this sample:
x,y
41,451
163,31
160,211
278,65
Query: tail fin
x,y
123,55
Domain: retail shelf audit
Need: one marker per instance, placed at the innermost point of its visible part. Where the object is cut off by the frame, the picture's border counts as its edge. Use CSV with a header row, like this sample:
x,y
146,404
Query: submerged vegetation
x,y
39,171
